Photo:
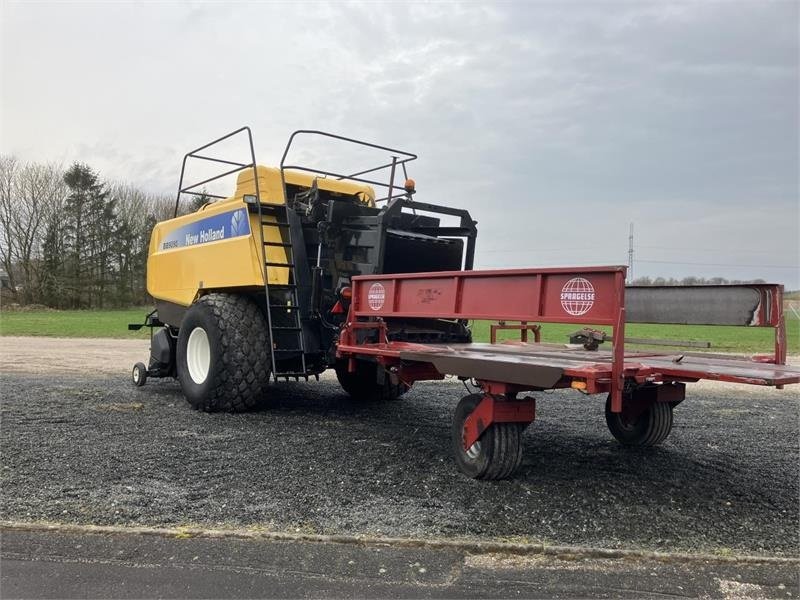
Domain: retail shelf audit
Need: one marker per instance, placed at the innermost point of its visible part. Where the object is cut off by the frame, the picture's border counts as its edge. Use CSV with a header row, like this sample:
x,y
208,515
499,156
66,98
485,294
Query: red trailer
x,y
642,388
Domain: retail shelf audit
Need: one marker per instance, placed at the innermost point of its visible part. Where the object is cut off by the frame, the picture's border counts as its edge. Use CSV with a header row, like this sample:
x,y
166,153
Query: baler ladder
x,y
283,318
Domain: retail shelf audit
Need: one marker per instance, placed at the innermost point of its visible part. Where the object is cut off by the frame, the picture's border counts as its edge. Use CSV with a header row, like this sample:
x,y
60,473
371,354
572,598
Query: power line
x,y
670,262
685,249
517,250
561,263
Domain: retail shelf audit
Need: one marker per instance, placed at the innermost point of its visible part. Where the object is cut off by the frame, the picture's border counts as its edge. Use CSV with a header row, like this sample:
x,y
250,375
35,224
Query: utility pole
x,y
630,255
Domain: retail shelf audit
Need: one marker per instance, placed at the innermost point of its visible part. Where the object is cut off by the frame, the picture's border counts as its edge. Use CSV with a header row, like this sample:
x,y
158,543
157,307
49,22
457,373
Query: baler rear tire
x,y
362,385
650,428
498,452
238,368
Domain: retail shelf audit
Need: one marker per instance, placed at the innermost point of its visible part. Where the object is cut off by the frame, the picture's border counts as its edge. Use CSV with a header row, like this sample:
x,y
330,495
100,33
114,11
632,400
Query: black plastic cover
x,y
162,350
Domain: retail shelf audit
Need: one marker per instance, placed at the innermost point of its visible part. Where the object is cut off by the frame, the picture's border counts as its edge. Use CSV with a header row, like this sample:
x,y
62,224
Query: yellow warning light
x,y
578,385
410,185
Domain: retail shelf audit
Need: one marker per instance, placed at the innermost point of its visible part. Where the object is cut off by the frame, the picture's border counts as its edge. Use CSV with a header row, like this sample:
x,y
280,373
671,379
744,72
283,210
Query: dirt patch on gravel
x,y
70,355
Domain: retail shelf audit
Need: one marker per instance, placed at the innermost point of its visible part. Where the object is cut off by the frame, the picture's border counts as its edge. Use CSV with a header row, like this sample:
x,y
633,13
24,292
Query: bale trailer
x,y
305,269
642,387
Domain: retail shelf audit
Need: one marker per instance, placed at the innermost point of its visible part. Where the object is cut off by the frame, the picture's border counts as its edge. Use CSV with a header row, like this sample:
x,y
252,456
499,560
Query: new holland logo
x,y
238,225
577,296
376,296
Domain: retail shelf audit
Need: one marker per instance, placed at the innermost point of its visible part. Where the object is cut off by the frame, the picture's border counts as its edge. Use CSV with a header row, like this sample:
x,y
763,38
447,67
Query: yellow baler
x,y
254,286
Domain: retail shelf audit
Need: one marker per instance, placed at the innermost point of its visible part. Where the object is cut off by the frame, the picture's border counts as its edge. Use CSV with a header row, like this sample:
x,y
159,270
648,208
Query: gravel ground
x,y
96,450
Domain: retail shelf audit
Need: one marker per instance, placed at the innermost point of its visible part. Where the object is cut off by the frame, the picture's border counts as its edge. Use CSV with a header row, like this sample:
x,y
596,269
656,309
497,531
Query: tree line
x,y
68,239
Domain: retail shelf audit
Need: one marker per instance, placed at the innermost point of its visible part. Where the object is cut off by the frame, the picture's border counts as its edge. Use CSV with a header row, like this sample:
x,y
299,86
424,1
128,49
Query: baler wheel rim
x,y
198,355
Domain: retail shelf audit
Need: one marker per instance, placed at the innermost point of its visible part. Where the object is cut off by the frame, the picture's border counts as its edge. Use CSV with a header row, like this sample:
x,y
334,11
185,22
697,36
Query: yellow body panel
x,y
271,188
219,247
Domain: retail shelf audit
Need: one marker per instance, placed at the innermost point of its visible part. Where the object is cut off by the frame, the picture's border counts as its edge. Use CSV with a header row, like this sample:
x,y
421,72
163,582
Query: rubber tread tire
x,y
142,374
362,385
651,428
239,372
501,445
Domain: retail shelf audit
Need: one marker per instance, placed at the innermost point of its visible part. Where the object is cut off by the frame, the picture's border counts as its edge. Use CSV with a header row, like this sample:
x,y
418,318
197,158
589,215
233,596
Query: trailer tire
x,y
362,385
650,428
222,354
498,452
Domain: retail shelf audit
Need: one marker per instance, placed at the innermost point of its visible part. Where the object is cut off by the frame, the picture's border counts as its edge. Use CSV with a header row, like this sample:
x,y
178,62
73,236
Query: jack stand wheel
x,y
139,374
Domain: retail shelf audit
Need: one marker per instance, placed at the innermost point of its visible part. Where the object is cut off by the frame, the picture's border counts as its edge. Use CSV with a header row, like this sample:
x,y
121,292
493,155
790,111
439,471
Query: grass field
x,y
74,323
113,324
723,339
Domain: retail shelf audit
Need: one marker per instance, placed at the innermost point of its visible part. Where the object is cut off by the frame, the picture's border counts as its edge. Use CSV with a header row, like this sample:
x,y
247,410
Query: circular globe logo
x,y
577,296
376,296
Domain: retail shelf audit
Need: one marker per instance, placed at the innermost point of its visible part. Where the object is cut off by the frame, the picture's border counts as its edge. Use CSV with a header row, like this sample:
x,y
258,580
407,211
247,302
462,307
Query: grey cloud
x,y
542,118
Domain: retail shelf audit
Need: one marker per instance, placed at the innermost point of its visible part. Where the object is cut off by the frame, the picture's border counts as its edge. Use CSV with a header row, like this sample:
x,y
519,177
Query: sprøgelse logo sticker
x,y
577,296
376,296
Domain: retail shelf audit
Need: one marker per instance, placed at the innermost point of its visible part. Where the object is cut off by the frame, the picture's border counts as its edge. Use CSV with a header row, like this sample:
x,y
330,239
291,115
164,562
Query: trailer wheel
x,y
222,353
139,374
498,452
363,384
650,428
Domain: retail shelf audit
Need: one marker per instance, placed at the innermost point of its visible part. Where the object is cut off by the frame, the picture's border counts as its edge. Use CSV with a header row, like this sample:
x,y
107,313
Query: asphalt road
x,y
96,450
57,565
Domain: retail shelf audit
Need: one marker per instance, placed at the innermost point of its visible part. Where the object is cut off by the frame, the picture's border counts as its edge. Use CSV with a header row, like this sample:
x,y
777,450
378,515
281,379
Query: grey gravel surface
x,y
96,450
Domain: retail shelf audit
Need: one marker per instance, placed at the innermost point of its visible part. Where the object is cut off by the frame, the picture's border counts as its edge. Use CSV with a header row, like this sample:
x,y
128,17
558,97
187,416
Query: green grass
x,y
74,323
114,323
744,340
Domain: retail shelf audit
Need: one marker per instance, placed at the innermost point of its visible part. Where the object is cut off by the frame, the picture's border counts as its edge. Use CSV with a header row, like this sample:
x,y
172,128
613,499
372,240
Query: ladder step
x,y
278,264
274,224
288,350
281,244
287,328
284,307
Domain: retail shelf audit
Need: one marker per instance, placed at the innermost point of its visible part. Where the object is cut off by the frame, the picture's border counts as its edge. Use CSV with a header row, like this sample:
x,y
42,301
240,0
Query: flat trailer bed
x,y
546,365
642,387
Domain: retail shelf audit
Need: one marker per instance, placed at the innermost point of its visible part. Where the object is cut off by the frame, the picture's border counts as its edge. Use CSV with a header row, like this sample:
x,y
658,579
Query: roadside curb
x,y
464,545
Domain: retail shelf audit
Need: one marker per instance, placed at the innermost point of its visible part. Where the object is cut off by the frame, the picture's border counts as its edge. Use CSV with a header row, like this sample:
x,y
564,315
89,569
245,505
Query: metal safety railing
x,y
399,159
238,166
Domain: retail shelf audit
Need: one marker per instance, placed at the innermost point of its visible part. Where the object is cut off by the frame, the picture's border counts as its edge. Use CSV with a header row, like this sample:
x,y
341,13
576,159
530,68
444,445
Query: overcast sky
x,y
555,124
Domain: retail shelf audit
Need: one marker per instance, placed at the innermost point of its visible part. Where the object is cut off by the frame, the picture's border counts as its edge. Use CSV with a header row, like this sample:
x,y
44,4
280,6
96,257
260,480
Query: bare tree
x,y
30,195
9,168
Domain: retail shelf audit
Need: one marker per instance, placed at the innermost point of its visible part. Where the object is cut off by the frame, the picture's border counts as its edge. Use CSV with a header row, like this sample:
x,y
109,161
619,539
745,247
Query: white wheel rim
x,y
474,451
198,355
136,374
